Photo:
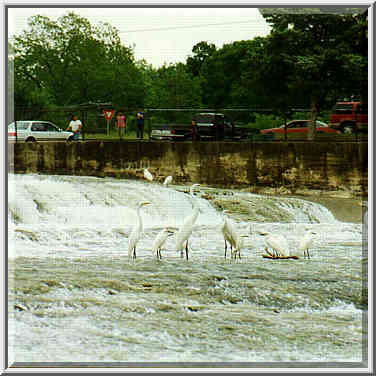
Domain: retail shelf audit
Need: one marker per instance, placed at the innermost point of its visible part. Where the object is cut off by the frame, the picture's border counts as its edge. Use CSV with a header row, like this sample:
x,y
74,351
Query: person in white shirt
x,y
75,125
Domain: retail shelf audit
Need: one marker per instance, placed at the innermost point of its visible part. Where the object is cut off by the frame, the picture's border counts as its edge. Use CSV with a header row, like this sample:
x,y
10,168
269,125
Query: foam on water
x,y
72,216
85,301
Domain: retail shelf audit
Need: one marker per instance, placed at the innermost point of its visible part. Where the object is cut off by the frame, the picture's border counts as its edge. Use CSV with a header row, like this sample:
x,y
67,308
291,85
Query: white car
x,y
37,130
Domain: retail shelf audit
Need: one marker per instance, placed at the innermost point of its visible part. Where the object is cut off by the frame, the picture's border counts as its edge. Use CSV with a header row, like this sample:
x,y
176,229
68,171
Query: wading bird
x,y
160,240
226,232
168,180
136,232
186,229
306,242
238,244
230,235
277,243
148,175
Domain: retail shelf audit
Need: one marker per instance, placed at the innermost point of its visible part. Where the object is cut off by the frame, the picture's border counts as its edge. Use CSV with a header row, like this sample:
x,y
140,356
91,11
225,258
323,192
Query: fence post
x,y
149,126
15,127
146,115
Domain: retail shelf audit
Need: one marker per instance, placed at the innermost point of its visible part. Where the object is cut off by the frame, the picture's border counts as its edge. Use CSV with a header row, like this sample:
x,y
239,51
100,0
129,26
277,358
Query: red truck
x,y
349,117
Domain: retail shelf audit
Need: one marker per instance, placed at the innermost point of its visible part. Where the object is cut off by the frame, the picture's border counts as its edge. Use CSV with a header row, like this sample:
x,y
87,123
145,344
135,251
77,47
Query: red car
x,y
300,127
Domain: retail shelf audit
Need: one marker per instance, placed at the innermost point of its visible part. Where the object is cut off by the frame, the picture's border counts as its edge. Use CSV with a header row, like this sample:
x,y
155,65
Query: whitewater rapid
x,y
74,296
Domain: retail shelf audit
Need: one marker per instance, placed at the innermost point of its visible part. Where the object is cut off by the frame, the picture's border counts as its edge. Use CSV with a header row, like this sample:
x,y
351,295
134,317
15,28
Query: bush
x,y
263,121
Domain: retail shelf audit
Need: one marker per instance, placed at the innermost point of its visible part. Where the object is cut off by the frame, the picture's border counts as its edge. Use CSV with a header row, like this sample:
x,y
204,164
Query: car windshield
x,y
206,119
21,125
343,108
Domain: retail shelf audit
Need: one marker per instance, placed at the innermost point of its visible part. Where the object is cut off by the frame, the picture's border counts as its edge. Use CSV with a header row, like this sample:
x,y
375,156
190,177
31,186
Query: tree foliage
x,y
201,51
324,54
311,58
73,62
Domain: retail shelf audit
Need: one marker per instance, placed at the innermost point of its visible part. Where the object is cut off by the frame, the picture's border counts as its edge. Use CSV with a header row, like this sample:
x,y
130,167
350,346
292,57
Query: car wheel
x,y
347,128
30,139
70,139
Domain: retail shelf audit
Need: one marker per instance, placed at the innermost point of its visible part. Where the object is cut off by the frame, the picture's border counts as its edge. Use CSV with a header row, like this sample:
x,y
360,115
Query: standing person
x,y
140,123
121,123
220,127
194,130
75,125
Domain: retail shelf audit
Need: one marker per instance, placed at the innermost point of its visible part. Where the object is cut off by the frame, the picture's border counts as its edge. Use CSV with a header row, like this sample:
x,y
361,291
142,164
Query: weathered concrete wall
x,y
312,165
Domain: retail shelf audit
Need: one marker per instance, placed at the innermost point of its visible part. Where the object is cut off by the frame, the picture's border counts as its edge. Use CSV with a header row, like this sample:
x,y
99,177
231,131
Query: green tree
x,y
74,62
201,51
177,88
221,75
320,52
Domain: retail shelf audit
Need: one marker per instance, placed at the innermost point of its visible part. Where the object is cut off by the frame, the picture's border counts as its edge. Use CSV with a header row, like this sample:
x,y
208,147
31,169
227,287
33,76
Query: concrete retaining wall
x,y
293,165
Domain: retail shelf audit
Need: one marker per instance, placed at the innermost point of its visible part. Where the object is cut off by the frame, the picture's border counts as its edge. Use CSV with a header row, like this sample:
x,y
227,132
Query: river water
x,y
74,296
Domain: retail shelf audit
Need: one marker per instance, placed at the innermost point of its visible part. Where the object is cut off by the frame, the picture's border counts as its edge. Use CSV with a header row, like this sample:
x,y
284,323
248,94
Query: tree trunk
x,y
312,128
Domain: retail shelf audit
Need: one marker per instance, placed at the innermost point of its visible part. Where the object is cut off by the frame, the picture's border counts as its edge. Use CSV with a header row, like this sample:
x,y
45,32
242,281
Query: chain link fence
x,y
252,120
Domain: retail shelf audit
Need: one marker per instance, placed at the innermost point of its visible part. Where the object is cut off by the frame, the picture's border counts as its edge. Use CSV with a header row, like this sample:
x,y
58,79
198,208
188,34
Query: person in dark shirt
x,y
194,130
140,123
219,128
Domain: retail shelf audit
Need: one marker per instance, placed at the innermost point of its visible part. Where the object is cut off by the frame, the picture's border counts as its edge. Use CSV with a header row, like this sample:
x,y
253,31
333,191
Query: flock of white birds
x,y
277,243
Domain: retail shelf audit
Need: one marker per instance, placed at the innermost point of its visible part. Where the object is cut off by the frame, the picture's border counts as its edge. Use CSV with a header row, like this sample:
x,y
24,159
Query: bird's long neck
x,y
223,223
195,207
139,218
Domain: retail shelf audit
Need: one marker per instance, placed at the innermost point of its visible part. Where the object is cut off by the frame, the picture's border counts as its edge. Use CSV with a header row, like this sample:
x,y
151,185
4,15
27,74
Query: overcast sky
x,y
161,35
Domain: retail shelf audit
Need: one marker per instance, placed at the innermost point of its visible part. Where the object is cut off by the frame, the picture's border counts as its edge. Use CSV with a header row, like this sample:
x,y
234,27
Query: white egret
x,y
160,240
168,180
226,234
306,242
230,235
238,243
186,229
136,232
278,243
148,175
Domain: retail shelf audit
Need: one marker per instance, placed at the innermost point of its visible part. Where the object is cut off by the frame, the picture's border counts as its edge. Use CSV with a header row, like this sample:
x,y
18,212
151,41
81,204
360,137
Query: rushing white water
x,y
70,216
68,239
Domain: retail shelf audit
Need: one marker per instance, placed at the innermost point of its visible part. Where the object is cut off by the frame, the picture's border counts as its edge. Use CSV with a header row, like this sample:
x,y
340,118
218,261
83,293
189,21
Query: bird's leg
x,y
239,254
308,253
134,252
225,248
267,251
186,249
